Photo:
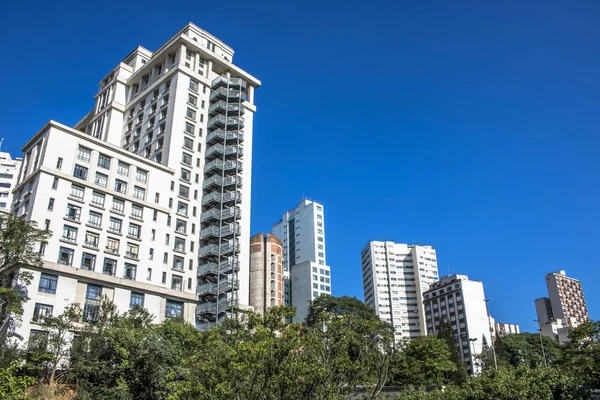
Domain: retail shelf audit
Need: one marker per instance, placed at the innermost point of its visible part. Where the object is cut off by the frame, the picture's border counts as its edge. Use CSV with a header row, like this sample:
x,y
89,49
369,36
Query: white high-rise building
x,y
9,172
306,273
148,196
395,275
460,303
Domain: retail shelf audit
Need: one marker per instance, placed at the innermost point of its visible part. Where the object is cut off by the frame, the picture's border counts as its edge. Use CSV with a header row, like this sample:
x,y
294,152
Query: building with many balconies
x,y
9,171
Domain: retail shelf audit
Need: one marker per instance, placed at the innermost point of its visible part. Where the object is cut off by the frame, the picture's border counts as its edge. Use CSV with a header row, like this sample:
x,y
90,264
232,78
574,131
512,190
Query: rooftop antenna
x,y
1,143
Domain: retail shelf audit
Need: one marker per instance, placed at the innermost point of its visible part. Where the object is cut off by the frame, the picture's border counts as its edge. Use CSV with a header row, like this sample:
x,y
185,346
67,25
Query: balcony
x,y
218,150
208,289
219,232
219,181
219,135
220,121
214,307
228,198
222,107
213,268
220,165
222,82
215,214
226,249
224,94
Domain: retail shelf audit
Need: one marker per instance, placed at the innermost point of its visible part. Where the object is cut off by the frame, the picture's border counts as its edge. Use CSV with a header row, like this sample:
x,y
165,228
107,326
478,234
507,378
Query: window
x,y
59,163
104,161
118,206
98,199
153,236
184,191
73,212
182,209
164,276
101,179
77,192
123,169
185,175
130,271
178,263
92,239
55,183
149,274
133,250
134,230
136,300
186,158
95,219
181,226
88,261
193,100
190,113
194,86
319,216
80,172
69,233
141,175
48,283
110,266
188,143
41,311
139,193
137,211
120,186
167,239
84,154
176,282
319,224
51,204
112,245
179,244
65,256
38,340
93,300
320,239
155,216
189,128
114,225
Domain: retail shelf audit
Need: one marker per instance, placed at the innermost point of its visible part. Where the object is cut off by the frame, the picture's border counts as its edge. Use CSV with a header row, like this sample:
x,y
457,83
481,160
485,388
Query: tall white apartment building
x,y
461,303
395,275
306,273
9,172
148,196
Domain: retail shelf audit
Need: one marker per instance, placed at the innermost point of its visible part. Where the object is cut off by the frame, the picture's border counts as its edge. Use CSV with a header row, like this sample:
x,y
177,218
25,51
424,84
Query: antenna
x,y
1,143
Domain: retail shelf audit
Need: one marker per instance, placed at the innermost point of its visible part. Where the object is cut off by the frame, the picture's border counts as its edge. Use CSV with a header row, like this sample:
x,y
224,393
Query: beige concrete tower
x,y
266,272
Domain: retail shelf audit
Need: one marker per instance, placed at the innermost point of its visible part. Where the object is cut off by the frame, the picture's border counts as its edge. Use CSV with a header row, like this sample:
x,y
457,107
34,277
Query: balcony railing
x,y
216,308
217,214
214,250
219,150
222,107
220,165
213,268
216,231
219,135
226,198
221,81
216,288
221,121
223,94
226,181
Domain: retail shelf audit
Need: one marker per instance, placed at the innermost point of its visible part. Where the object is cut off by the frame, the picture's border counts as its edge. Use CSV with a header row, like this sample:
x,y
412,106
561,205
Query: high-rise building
x,y
266,272
148,196
395,275
502,328
9,172
306,273
460,303
564,309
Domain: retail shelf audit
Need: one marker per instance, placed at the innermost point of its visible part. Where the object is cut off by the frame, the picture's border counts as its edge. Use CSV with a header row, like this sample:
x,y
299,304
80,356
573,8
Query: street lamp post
x,y
541,341
491,336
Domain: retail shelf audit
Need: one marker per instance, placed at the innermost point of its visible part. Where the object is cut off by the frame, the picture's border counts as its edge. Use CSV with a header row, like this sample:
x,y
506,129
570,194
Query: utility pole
x,y
487,310
541,341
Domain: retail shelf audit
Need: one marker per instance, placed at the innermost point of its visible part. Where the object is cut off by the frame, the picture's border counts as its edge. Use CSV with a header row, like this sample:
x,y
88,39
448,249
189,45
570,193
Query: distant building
x,y
456,300
302,232
564,309
266,272
394,278
9,173
502,328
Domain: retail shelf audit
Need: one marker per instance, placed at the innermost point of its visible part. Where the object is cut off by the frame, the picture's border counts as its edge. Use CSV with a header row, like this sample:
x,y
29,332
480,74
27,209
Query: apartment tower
x,y
266,272
148,196
306,273
460,303
9,172
395,276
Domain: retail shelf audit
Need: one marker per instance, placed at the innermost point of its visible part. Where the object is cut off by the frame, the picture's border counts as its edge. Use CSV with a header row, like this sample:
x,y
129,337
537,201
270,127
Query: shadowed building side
x,y
266,272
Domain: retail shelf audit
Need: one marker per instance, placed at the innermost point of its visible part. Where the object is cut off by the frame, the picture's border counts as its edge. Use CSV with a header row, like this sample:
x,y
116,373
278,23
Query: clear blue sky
x,y
471,126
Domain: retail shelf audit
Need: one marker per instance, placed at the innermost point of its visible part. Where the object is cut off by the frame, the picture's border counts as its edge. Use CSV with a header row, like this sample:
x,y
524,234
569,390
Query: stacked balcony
x,y
221,199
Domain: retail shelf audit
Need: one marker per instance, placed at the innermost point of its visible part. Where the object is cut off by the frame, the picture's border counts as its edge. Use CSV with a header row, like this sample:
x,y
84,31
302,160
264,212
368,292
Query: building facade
x,y
460,303
502,328
148,196
395,275
302,232
9,172
564,309
266,272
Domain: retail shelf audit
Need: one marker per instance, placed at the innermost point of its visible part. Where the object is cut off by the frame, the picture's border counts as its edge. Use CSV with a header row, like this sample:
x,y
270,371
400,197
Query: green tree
x,y
343,305
459,374
13,386
522,348
581,355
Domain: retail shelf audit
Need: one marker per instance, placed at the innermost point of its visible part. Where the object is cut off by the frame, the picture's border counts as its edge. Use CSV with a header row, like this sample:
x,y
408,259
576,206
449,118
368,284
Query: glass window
x,y
139,193
88,261
178,263
38,340
179,244
110,266
134,230
137,211
112,245
80,172
137,299
130,271
92,239
77,192
51,204
141,175
188,143
176,282
41,311
118,206
120,186
93,300
193,100
98,199
189,128
194,85
101,179
114,225
65,256
185,175
181,226
133,250
73,212
84,154
123,169
104,161
190,113
95,219
182,209
174,309
69,233
48,283
184,191
186,158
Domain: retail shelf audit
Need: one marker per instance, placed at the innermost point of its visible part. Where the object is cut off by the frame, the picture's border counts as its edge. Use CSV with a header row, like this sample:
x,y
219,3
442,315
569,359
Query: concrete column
x,y
209,65
251,94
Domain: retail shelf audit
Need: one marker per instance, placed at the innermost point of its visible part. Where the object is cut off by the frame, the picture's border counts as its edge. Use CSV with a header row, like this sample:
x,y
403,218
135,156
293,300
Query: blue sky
x,y
471,126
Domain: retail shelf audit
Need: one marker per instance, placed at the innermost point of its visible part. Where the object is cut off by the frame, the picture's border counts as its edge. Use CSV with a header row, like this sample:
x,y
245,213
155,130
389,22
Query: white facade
x,y
461,302
9,172
144,195
302,232
395,275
